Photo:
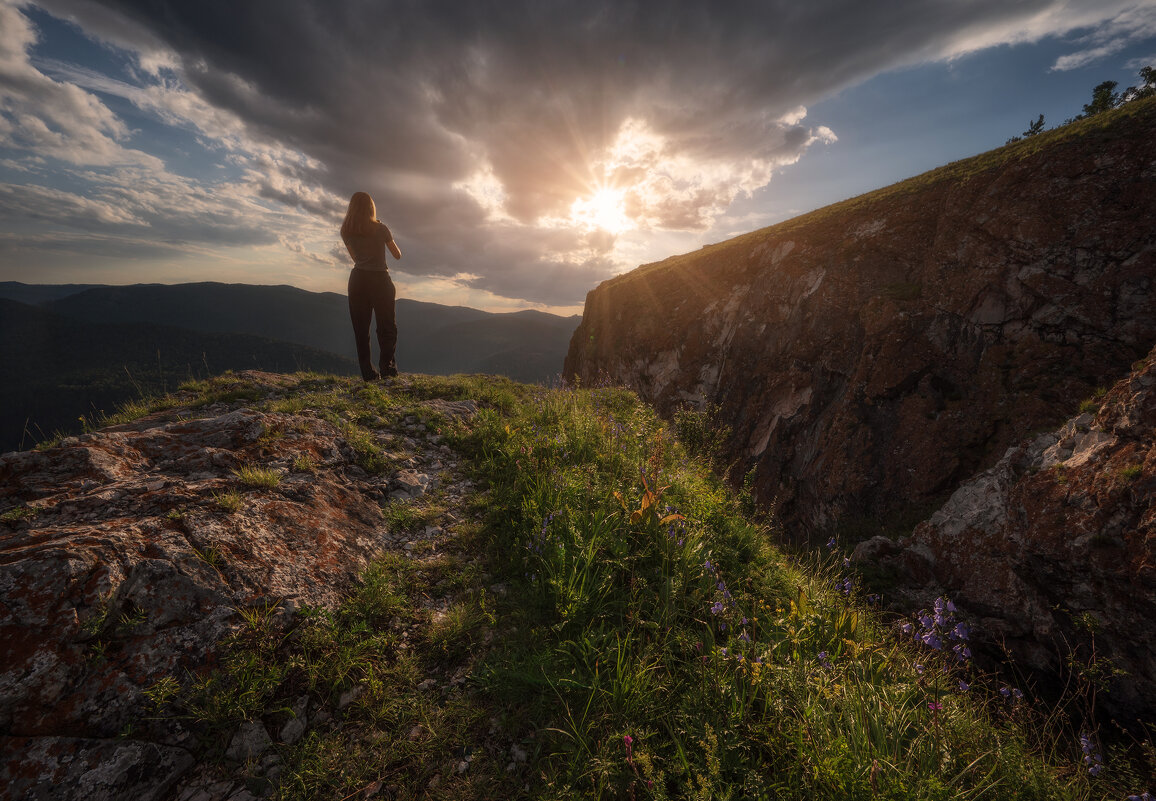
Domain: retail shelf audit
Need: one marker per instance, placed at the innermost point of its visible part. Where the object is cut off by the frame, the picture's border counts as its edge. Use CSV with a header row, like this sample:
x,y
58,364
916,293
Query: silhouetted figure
x,y
371,291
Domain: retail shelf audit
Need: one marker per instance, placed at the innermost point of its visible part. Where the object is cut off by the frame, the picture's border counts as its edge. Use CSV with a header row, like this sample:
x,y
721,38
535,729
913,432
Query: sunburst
x,y
604,209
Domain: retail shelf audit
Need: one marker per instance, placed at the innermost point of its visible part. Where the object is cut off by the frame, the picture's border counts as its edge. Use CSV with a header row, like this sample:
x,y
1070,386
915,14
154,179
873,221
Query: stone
x,y
249,742
49,768
101,568
1029,546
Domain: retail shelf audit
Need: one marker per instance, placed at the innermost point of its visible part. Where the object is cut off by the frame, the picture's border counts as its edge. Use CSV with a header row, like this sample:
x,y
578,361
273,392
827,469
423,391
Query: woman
x,y
371,291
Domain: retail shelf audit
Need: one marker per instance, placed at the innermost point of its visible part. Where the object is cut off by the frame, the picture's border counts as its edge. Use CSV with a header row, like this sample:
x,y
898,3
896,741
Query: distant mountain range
x,y
81,349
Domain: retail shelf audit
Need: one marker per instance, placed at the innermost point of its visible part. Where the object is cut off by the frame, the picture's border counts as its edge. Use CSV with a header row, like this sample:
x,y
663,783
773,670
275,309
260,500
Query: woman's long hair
x,y
361,216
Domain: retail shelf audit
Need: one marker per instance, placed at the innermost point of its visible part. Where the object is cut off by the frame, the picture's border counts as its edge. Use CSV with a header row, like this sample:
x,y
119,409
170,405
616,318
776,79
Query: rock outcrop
x,y
871,356
1052,552
127,555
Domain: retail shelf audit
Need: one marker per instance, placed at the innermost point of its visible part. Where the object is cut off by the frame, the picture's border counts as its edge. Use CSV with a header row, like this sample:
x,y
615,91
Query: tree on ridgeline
x,y
1147,89
1033,129
1104,98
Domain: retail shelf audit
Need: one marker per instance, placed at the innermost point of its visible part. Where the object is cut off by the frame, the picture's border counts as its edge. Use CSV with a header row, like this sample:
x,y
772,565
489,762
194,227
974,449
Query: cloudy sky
x,y
520,150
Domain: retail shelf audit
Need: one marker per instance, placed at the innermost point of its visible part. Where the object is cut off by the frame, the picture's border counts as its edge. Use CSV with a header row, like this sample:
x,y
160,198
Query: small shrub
x,y
304,463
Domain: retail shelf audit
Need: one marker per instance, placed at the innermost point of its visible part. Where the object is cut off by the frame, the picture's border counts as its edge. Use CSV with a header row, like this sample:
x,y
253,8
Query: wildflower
x,y
745,637
962,652
950,607
934,706
926,622
919,668
906,628
961,631
831,543
717,608
708,565
723,651
1091,754
823,660
629,742
1018,695
931,640
964,686
722,626
1145,796
1005,691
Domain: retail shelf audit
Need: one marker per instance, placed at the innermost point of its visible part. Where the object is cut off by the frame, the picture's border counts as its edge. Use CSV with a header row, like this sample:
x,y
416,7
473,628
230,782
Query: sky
x,y
521,151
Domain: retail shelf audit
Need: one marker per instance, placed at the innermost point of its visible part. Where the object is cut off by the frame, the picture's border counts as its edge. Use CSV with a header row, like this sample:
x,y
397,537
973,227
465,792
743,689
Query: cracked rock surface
x,y
128,554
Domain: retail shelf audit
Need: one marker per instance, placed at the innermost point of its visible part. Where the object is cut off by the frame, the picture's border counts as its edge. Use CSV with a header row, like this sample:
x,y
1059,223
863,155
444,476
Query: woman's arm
x,y
394,249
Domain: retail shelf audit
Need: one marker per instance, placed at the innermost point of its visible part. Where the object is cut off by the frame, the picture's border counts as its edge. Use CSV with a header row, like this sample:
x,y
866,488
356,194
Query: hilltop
x,y
303,586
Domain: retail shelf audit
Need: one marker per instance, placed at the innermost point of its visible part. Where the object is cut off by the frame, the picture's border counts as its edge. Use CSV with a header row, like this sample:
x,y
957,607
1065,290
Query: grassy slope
x,y
653,643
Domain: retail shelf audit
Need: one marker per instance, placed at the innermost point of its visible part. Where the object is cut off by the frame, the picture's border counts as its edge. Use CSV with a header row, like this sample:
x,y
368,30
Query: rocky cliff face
x,y
871,356
129,554
1053,550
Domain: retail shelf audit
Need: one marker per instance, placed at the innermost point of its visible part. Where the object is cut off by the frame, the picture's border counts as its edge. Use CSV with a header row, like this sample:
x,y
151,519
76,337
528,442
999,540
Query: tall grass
x,y
672,651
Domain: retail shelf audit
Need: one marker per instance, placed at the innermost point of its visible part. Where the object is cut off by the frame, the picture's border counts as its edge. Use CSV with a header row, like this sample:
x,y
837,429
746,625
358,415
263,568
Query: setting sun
x,y
603,210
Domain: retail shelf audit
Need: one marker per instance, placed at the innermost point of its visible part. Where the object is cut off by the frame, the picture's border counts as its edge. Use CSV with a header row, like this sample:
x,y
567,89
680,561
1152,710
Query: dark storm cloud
x,y
403,99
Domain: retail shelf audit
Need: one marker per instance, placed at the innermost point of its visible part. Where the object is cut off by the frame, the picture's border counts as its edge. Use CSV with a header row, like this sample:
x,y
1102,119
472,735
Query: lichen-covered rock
x,y
127,555
871,356
1054,546
65,768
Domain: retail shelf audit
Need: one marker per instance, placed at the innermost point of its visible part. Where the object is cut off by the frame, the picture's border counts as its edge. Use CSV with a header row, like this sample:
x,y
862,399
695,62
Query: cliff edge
x,y
871,356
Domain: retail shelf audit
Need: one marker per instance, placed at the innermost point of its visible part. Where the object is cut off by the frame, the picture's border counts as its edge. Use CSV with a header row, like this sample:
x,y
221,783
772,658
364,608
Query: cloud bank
x,y
514,146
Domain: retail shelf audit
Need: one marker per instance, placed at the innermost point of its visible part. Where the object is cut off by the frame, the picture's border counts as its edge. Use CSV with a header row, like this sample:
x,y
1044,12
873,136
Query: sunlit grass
x,y
616,627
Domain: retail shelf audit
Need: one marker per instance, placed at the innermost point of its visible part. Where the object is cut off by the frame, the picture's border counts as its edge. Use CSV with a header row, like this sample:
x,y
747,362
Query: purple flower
x,y
964,686
707,565
950,607
906,628
831,543
919,668
961,631
931,640
1005,691
934,706
823,660
1018,695
926,622
717,608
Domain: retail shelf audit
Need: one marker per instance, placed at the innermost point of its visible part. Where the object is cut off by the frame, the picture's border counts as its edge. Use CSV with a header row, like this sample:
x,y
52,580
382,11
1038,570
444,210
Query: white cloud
x,y
1130,25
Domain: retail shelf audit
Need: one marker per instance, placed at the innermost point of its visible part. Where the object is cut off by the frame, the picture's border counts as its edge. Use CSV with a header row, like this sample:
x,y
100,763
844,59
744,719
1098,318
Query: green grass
x,y
615,589
258,477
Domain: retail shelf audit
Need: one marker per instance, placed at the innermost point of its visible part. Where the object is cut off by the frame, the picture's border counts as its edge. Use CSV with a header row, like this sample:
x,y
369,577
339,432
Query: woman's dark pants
x,y
372,293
